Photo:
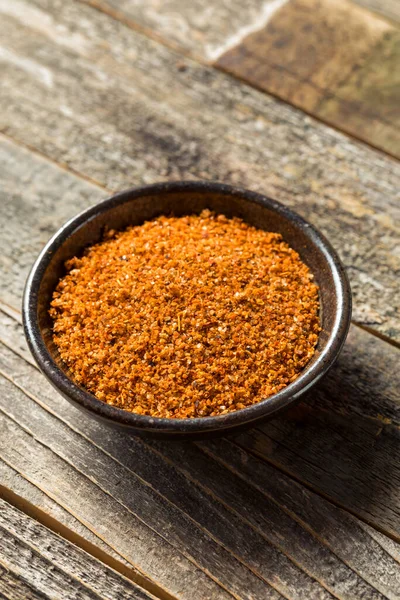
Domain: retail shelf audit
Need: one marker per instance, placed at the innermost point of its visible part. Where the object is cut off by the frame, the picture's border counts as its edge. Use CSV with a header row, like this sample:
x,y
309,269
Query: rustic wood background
x,y
100,95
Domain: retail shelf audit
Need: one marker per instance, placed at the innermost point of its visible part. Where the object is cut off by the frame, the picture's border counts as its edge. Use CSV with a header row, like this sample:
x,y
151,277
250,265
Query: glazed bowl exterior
x,y
133,207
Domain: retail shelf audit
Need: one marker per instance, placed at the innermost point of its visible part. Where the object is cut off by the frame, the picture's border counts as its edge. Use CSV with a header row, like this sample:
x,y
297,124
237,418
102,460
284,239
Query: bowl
x,y
133,207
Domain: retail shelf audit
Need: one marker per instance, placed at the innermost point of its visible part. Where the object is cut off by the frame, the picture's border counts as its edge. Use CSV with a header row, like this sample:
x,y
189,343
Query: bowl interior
x,y
134,207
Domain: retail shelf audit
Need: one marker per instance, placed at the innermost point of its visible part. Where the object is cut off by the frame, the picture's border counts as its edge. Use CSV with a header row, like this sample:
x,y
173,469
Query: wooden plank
x,y
344,460
23,489
338,61
35,503
13,588
165,121
331,58
82,496
237,568
242,519
205,29
339,530
53,567
201,28
351,421
387,8
279,575
42,200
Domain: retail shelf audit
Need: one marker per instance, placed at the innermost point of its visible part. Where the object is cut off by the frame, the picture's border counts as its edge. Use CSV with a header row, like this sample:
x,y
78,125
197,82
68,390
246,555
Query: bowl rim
x,y
263,408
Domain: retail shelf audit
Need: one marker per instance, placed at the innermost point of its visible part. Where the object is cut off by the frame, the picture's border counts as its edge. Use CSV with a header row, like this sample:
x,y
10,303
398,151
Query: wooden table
x,y
100,95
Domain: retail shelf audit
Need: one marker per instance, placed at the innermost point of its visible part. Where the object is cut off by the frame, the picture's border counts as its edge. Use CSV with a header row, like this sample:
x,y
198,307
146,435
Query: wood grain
x,y
332,59
35,557
209,127
276,570
139,498
361,390
232,525
201,28
335,463
34,502
255,528
386,8
82,496
41,200
336,528
13,588
207,29
21,488
342,441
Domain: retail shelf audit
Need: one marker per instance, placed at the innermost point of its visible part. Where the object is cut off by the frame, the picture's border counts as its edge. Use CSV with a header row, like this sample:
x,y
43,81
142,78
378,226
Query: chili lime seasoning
x,y
186,316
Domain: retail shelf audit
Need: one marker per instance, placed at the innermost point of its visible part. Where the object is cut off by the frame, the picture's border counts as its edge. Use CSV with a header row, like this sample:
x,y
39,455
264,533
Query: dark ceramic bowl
x,y
135,206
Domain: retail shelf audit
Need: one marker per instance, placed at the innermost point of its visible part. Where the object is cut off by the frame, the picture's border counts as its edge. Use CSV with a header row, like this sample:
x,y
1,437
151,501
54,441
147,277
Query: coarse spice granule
x,y
186,316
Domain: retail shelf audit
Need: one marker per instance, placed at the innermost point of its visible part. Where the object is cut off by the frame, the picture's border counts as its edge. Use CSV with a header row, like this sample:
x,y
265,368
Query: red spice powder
x,y
186,316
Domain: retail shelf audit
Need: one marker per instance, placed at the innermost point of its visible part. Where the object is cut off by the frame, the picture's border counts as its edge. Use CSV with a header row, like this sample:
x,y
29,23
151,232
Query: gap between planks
x,y
259,88
146,31
186,555
195,482
313,489
189,54
371,331
68,534
201,486
207,489
190,558
63,166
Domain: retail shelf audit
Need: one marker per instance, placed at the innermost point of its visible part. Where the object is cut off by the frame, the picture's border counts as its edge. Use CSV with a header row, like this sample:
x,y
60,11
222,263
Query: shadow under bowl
x,y
137,205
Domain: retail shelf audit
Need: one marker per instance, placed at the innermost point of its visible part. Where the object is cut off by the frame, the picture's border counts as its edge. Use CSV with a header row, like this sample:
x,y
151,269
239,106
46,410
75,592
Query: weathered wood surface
x,y
13,588
202,28
362,392
214,490
36,199
121,109
33,501
343,441
100,511
388,8
14,484
333,59
215,520
63,461
334,574
207,29
37,563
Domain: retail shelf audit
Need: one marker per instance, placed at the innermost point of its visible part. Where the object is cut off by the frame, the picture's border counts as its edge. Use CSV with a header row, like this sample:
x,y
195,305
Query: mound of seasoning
x,y
186,316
